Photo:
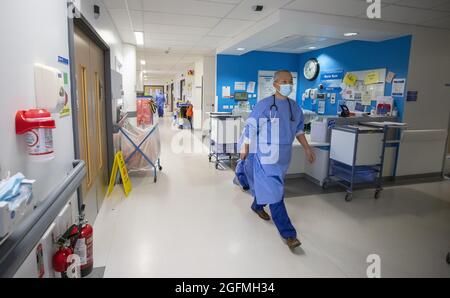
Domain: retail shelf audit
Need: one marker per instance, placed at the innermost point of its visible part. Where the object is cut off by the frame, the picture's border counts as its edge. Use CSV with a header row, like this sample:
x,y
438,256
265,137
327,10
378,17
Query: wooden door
x,y
89,61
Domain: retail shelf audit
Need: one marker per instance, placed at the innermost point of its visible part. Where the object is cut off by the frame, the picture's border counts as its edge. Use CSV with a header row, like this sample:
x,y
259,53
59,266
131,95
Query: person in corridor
x,y
274,123
160,101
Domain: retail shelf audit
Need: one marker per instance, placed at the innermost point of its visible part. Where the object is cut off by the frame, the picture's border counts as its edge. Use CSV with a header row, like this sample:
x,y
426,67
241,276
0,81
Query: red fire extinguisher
x,y
61,257
60,260
83,244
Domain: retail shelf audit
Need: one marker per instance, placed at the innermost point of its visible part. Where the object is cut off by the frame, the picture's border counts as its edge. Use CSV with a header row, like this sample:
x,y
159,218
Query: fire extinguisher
x,y
83,244
61,257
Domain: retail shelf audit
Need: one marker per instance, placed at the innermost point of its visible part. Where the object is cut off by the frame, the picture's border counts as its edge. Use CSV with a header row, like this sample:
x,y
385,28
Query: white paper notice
x,y
239,86
321,107
398,87
390,76
226,91
251,87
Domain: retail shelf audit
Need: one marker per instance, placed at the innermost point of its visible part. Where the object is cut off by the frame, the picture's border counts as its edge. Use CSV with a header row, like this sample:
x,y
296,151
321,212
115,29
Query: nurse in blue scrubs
x,y
160,101
266,147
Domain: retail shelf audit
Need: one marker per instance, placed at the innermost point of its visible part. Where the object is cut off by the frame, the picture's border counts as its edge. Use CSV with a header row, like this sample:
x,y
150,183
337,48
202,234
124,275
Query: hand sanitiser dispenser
x,y
37,125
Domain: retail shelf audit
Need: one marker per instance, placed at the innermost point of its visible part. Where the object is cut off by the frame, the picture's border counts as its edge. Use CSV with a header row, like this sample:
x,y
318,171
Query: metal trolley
x,y
357,158
137,143
225,129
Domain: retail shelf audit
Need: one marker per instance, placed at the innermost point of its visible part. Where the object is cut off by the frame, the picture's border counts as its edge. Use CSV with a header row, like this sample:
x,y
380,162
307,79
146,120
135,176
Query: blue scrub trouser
x,y
161,111
280,218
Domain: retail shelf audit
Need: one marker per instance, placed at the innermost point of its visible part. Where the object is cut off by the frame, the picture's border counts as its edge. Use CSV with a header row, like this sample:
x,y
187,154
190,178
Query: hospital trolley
x,y
356,158
141,146
225,131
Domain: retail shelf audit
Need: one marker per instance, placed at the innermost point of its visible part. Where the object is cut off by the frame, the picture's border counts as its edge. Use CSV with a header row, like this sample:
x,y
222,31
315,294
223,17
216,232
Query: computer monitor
x,y
241,96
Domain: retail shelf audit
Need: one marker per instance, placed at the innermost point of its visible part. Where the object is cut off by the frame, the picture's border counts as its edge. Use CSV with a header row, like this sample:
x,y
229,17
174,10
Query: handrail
x,y
27,234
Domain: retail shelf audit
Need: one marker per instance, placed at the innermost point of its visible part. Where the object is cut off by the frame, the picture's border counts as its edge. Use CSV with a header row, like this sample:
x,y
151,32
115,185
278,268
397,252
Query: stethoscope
x,y
274,105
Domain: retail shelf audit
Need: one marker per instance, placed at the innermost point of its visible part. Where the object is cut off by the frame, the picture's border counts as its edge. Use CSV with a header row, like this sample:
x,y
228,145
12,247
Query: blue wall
x,y
352,56
231,69
358,55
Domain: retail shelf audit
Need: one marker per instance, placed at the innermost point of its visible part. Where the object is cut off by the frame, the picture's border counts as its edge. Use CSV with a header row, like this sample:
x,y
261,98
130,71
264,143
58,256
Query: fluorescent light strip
x,y
139,38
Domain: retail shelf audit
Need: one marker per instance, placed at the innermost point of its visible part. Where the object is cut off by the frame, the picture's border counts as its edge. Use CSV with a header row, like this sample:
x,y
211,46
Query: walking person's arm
x,y
308,150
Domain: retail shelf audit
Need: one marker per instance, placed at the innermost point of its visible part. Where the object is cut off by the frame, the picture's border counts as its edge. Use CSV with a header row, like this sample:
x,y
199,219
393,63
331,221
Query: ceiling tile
x,y
168,43
202,50
180,20
230,28
225,1
422,3
191,7
212,41
439,23
341,7
156,28
244,10
167,36
387,1
137,19
135,4
407,15
116,4
444,7
121,18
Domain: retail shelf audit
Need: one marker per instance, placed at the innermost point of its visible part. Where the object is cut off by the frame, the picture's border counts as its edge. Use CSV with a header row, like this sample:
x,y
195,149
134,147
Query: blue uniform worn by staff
x,y
160,101
266,147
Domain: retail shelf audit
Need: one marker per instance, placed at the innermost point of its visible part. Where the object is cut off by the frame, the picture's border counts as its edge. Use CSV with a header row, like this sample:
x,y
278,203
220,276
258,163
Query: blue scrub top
x,y
270,133
160,99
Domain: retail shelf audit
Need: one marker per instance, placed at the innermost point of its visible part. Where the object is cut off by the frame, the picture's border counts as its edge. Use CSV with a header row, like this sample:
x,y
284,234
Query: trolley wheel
x,y
210,158
160,168
348,197
448,258
155,179
217,166
377,194
325,185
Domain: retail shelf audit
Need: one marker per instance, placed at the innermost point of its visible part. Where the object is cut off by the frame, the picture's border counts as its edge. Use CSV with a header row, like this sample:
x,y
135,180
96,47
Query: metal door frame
x,y
80,22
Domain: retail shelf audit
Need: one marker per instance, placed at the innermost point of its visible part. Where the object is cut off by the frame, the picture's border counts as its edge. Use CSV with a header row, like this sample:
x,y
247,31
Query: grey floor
x,y
195,223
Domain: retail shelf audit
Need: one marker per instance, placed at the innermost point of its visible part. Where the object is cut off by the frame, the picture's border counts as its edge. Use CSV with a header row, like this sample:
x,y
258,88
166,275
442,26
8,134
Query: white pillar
x,y
140,81
209,85
129,77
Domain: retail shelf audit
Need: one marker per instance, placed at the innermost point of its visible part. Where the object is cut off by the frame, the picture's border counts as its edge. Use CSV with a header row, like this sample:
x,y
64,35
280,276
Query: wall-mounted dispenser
x,y
37,125
49,88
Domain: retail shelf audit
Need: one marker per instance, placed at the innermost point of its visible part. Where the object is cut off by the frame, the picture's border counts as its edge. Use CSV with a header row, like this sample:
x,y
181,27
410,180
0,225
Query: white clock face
x,y
311,69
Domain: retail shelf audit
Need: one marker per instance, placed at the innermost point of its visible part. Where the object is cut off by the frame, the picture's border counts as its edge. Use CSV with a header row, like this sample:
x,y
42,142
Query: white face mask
x,y
286,89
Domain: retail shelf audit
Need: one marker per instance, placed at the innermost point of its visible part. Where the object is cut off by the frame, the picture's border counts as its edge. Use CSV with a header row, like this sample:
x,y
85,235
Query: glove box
x,y
12,212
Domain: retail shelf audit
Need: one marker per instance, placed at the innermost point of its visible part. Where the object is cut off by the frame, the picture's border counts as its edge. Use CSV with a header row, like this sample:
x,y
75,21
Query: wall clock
x,y
312,69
